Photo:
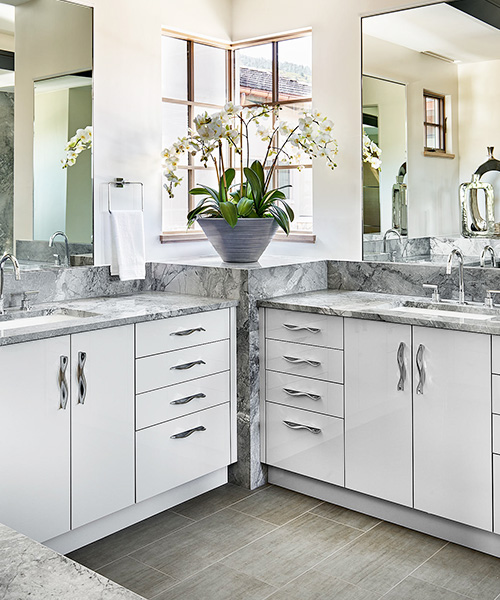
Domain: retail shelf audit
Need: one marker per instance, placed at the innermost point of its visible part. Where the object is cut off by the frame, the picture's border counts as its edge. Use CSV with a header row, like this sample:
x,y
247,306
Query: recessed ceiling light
x,y
439,56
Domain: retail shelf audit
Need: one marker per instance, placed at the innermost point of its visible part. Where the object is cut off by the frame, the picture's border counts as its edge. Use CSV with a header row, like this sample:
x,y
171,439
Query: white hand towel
x,y
128,247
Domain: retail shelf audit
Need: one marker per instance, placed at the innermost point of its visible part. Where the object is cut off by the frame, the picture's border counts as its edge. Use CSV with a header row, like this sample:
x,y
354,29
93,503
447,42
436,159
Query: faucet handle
x,y
488,301
27,299
435,291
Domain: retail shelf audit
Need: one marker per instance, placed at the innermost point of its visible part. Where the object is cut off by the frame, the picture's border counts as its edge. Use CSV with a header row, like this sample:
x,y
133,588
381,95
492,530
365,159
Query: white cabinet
x,y
378,409
496,496
35,438
102,431
452,425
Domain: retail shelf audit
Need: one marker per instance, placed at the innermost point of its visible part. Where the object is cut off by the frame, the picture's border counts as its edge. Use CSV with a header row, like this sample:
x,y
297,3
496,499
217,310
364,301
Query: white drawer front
x,y
495,354
318,455
496,434
164,462
181,399
496,393
174,333
305,328
303,392
309,361
496,489
161,370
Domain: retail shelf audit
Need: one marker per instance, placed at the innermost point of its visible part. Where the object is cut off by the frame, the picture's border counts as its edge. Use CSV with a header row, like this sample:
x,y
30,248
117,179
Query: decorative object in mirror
x,y
246,214
437,51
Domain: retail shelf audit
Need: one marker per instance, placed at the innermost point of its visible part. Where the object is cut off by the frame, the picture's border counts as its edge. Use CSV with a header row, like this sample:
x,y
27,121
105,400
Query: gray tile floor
x,y
234,544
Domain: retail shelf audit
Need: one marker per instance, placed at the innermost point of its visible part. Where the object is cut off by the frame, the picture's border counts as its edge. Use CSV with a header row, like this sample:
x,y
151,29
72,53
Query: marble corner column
x,y
247,283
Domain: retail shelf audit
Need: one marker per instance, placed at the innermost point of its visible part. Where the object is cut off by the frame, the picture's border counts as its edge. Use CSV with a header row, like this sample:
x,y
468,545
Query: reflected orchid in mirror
x,y
371,153
232,128
82,140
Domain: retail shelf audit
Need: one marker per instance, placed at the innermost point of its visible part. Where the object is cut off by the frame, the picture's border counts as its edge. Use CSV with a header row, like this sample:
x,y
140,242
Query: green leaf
x,y
205,190
280,217
288,209
254,181
229,212
245,207
258,169
225,183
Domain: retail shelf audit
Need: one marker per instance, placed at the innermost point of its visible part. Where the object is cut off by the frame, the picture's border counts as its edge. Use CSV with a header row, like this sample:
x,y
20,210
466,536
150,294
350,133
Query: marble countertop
x,y
381,307
109,312
30,570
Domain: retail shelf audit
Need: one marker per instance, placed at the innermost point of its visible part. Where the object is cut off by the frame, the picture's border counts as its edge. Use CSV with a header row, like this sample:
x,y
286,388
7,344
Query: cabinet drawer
x,y
319,455
164,462
161,370
303,392
174,333
309,361
495,354
181,399
495,381
496,493
305,328
496,434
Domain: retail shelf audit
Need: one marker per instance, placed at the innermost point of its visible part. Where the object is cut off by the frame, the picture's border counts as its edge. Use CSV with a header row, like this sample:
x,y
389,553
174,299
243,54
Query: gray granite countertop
x,y
30,570
390,308
108,312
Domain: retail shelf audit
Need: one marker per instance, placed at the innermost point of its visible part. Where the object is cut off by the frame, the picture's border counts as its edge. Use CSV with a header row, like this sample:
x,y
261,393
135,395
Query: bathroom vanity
x,y
383,404
113,410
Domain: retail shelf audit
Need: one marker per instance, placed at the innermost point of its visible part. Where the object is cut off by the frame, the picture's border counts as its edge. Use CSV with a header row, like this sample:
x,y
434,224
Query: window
x,y
279,71
195,79
434,122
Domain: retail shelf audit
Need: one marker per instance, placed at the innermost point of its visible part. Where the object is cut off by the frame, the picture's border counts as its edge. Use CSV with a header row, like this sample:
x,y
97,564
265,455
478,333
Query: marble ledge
x,y
265,262
111,312
30,570
380,307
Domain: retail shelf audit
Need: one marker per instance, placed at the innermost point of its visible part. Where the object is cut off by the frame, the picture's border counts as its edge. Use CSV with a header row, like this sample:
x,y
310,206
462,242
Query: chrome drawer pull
x,y
298,361
421,369
292,425
402,367
297,393
185,434
187,331
188,399
188,365
63,384
82,381
301,328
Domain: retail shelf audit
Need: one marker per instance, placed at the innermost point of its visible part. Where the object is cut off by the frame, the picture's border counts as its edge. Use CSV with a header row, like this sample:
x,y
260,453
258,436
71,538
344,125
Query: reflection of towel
x,y
128,248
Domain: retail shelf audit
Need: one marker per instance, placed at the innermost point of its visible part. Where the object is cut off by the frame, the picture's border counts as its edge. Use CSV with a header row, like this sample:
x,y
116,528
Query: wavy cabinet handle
x,y
301,328
82,381
296,393
187,331
402,367
299,361
188,399
63,384
293,425
421,369
185,434
188,365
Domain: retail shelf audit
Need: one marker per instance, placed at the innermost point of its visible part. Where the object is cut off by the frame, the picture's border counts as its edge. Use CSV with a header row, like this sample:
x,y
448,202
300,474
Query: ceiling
x,y
437,28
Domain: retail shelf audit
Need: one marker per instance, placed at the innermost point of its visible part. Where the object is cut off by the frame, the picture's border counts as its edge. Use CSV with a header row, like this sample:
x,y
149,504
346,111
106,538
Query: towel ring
x,y
120,183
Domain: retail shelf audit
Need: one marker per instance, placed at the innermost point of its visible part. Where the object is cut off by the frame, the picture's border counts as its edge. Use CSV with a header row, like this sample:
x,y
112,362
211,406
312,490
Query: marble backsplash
x,y
6,171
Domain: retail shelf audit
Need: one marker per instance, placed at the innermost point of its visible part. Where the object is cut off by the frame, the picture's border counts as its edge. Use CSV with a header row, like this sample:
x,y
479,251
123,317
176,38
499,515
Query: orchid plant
x,y
252,196
371,153
82,140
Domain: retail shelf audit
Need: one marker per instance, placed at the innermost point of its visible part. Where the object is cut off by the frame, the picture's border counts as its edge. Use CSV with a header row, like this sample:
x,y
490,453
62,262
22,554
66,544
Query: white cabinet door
x,y
496,496
102,434
35,441
378,409
452,425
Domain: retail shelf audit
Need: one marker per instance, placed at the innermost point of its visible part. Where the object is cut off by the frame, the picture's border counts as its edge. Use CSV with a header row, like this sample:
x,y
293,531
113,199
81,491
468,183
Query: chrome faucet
x,y
51,244
461,288
386,235
489,249
17,274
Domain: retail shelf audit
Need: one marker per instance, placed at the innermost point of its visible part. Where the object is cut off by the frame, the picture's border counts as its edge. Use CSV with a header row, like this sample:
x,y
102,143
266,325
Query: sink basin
x,y
17,319
443,312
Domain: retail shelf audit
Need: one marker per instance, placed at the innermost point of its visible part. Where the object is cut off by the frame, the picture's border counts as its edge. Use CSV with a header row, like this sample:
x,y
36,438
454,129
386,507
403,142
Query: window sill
x,y
438,154
198,236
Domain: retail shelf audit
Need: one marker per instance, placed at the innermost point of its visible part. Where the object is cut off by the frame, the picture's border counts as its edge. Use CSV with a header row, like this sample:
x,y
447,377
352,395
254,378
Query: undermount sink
x,y
48,316
457,311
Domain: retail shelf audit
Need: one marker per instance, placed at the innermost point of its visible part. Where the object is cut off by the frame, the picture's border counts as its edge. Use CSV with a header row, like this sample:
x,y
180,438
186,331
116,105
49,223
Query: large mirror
x,y
430,90
45,98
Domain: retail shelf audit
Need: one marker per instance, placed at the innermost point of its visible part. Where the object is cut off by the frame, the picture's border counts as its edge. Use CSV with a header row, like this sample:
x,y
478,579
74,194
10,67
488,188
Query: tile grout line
x,y
344,524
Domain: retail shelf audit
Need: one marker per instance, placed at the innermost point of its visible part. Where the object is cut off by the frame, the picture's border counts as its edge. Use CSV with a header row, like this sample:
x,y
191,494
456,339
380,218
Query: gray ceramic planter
x,y
244,243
